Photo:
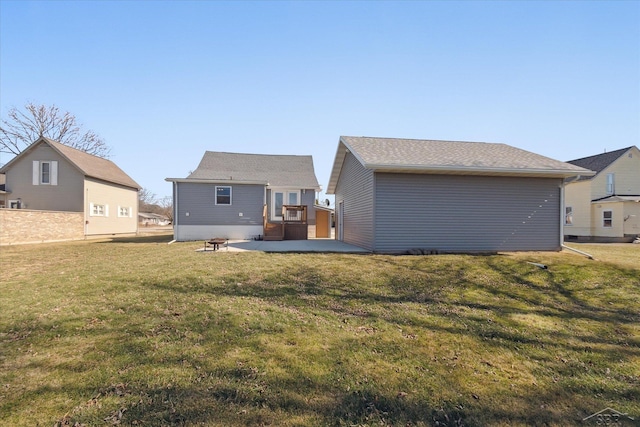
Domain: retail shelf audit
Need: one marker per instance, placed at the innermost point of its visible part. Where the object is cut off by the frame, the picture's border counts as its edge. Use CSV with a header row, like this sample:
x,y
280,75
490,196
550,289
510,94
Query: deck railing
x,y
294,213
291,226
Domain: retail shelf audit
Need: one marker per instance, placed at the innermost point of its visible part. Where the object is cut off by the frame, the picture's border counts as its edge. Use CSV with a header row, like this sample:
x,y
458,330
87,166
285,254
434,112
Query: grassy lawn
x,y
138,332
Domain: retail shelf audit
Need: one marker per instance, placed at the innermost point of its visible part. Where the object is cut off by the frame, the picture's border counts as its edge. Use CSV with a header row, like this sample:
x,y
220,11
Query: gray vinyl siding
x,y
308,198
199,201
66,196
466,213
355,189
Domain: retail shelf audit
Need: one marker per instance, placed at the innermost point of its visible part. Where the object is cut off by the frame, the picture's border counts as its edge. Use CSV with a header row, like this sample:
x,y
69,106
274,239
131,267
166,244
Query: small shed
x,y
323,221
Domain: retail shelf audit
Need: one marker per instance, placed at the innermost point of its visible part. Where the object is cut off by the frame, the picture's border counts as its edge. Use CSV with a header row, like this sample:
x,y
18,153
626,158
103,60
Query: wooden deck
x,y
292,227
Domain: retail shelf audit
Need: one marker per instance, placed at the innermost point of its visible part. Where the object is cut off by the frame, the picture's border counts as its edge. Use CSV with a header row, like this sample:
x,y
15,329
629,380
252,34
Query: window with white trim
x,y
611,185
607,218
124,212
45,172
568,215
223,195
99,210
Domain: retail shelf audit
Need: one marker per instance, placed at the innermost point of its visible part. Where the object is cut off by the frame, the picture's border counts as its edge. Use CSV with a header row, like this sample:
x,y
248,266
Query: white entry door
x,y
280,198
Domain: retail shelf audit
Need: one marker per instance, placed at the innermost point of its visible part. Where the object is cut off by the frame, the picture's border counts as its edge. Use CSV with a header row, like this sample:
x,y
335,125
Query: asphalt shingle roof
x,y
88,164
435,156
599,162
432,153
276,170
94,166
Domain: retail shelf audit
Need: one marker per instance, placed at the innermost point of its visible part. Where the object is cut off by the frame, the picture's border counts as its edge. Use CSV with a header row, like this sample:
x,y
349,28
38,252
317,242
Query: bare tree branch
x,y
146,197
21,128
166,203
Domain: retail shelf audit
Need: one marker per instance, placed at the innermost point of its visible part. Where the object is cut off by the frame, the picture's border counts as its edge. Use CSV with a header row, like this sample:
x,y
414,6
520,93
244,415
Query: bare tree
x,y
147,201
166,203
23,127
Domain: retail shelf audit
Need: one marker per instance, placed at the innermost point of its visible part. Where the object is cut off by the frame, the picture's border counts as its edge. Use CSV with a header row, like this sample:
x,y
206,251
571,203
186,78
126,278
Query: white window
x,y
99,210
124,212
223,195
45,172
611,186
568,215
607,219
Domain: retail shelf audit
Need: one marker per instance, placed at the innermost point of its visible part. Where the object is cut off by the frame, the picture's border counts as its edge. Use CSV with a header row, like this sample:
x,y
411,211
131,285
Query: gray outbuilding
x,y
394,195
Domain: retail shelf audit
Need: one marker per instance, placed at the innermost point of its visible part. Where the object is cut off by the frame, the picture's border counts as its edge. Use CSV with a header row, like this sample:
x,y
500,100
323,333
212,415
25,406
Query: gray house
x,y
245,196
393,195
50,176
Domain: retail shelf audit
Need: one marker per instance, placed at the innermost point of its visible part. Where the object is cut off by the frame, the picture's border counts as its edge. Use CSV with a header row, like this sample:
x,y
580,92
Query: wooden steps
x,y
274,231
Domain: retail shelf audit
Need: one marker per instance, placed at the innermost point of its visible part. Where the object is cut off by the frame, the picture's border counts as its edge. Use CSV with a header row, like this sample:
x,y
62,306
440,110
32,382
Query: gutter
x,y
559,173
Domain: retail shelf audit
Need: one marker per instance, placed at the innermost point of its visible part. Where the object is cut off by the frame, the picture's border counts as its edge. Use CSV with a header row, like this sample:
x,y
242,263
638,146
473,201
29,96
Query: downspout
x,y
265,212
175,210
579,252
562,214
87,206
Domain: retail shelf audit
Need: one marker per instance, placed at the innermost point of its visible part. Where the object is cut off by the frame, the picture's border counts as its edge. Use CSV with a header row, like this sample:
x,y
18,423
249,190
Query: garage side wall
x,y
355,191
466,213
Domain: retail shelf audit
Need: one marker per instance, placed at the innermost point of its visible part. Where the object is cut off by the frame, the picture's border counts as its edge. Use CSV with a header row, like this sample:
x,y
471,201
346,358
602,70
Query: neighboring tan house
x,y
150,218
245,196
605,207
394,195
49,176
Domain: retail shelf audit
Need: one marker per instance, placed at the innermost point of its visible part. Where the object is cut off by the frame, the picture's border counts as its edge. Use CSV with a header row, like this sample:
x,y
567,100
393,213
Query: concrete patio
x,y
295,246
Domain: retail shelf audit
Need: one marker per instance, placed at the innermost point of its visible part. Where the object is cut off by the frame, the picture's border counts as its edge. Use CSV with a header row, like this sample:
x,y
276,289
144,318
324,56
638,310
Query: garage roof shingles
x,y
446,157
455,154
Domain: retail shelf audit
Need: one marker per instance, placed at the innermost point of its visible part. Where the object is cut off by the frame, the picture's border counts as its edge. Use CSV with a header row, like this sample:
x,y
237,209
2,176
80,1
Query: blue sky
x,y
164,81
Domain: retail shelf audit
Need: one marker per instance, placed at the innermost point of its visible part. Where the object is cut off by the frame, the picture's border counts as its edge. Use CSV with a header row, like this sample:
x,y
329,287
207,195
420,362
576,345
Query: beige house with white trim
x,y
605,207
51,176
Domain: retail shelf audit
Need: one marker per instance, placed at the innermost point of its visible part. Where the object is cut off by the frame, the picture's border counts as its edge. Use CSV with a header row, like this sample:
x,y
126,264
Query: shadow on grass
x,y
218,391
517,294
147,238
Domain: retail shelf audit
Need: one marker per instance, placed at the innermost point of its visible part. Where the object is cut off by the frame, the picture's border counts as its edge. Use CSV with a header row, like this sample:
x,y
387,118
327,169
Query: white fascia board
x,y
341,154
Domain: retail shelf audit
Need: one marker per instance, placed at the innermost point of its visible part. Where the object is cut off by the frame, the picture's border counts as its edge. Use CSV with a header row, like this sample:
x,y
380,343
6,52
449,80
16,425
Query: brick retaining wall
x,y
30,226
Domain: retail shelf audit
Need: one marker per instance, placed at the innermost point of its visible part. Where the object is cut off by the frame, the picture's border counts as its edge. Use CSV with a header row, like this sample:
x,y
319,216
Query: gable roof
x,y
599,162
447,157
88,164
274,170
